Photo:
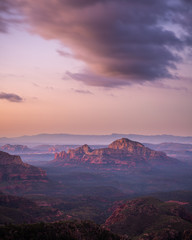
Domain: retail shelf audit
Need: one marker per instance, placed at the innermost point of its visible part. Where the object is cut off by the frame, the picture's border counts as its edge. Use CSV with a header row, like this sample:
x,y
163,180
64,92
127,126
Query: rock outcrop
x,y
122,152
12,168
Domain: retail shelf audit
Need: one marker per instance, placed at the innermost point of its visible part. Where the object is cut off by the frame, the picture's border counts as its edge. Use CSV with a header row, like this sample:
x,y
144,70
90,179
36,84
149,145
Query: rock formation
x,y
12,168
122,152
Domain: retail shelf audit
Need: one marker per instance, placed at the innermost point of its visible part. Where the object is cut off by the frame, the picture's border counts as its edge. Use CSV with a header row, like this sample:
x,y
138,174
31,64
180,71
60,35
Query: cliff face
x,y
12,168
123,152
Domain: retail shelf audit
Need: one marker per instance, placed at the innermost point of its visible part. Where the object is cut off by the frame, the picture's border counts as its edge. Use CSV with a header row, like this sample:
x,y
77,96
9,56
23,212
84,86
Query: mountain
x,y
72,139
122,152
15,149
149,218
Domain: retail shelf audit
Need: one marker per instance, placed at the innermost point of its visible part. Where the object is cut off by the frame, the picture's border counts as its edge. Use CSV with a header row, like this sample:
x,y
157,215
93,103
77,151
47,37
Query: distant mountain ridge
x,y
180,151
15,148
122,152
91,139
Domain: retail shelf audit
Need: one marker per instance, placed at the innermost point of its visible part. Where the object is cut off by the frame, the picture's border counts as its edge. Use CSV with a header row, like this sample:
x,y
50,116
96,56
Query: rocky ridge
x,y
122,152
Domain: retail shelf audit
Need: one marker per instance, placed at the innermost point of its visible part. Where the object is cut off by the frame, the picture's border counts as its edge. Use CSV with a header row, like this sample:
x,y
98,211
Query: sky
x,y
95,67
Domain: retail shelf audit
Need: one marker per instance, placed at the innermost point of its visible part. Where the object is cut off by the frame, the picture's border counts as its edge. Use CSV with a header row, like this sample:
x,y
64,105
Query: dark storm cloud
x,y
10,97
122,41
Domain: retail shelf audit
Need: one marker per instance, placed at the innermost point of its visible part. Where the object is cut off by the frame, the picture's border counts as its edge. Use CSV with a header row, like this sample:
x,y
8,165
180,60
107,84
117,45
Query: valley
x,y
81,183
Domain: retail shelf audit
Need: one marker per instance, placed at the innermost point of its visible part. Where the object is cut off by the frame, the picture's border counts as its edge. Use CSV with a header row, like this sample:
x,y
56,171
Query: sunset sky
x,y
95,67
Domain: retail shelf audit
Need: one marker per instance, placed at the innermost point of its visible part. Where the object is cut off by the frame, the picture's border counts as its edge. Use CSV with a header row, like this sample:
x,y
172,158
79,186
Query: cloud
x,y
36,85
162,85
45,87
81,91
64,53
11,97
122,41
4,9
96,80
8,15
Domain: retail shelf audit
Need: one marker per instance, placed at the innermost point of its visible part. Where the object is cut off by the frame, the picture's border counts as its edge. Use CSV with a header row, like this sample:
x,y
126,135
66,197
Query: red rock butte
x,y
122,152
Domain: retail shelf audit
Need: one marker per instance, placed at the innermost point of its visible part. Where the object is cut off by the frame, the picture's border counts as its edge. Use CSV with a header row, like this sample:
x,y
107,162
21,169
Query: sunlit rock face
x,y
135,148
122,152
